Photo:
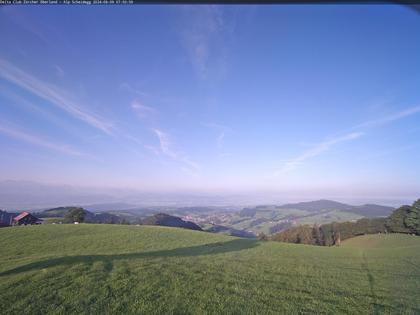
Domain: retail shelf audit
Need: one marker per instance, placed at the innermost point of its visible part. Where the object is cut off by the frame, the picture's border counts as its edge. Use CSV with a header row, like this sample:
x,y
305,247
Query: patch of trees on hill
x,y
55,212
280,227
405,219
75,215
81,215
164,219
78,214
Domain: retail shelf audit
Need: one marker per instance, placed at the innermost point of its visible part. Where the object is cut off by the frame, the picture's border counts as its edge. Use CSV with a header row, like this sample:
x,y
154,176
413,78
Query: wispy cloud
x,y
220,139
326,145
26,23
167,148
53,95
201,28
215,126
142,110
48,34
164,143
128,87
38,141
60,72
22,102
317,150
390,118
152,149
221,129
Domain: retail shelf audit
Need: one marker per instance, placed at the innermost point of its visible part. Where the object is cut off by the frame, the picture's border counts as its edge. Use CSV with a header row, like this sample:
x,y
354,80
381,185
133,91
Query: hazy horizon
x,y
29,195
306,102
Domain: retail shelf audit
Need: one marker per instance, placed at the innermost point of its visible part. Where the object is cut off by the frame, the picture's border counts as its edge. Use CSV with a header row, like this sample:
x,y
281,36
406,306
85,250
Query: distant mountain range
x,y
367,210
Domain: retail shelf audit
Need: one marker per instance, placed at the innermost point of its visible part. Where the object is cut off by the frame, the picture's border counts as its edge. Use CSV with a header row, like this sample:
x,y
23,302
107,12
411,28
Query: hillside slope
x,y
367,210
230,231
111,269
271,219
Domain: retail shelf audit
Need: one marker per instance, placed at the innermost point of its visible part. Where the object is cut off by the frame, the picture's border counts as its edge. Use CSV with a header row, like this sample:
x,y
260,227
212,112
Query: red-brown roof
x,y
21,216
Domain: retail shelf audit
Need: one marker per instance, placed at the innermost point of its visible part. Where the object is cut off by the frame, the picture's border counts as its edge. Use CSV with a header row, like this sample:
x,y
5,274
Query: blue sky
x,y
311,99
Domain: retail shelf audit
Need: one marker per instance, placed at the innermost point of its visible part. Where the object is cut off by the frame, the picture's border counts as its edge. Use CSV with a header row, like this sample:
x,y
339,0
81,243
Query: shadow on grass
x,y
206,249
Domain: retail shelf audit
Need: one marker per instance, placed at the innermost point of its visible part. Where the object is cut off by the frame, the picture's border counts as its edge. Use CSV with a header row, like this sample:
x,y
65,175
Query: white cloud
x,y
127,87
201,28
152,149
166,147
165,143
326,145
220,139
34,140
221,132
18,100
317,150
388,119
215,126
53,95
141,110
27,23
60,72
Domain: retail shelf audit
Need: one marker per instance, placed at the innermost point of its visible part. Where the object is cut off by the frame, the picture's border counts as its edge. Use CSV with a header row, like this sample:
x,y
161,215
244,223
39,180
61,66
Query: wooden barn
x,y
25,218
6,218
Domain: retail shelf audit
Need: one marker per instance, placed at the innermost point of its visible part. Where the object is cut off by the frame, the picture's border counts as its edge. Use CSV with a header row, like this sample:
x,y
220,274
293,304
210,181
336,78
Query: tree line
x,y
405,219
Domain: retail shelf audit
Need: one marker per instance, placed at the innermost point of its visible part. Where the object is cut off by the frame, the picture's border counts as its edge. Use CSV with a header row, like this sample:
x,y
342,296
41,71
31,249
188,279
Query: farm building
x,y
25,218
6,218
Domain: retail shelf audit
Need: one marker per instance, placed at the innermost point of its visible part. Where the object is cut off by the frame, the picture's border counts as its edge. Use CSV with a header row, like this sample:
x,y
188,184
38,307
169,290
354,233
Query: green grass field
x,y
114,269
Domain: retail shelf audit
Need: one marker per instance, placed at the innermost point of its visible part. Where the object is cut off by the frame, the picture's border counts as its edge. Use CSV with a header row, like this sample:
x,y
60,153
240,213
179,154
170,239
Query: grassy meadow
x,y
115,269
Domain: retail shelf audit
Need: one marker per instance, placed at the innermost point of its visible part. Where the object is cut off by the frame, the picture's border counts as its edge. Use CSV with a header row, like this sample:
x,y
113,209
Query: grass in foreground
x,y
110,269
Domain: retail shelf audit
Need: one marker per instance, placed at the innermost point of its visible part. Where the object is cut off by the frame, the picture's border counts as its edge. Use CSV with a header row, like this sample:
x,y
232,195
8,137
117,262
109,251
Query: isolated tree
x,y
75,215
125,221
337,238
262,236
412,218
316,235
327,232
